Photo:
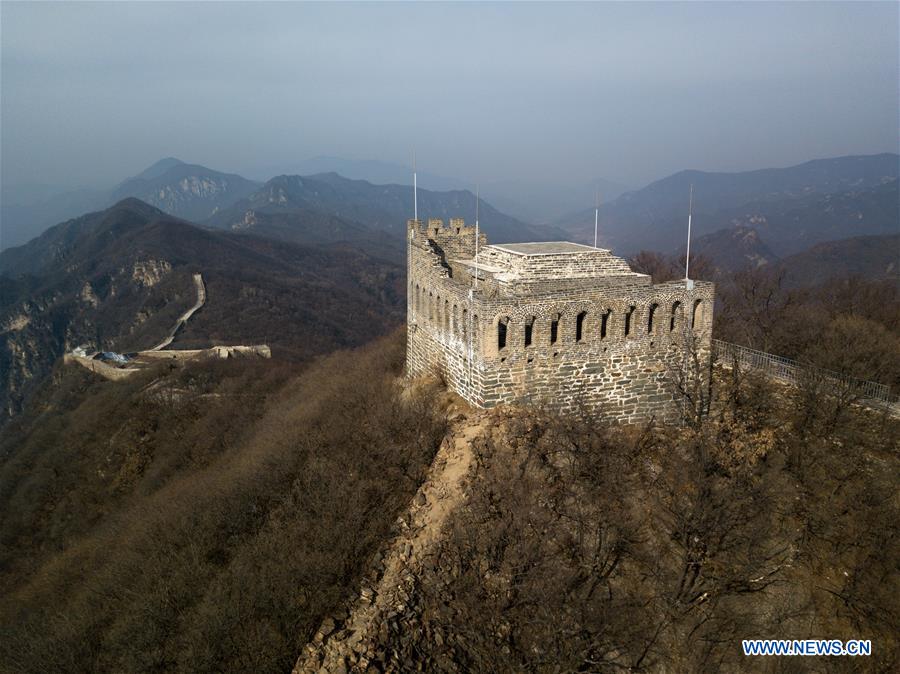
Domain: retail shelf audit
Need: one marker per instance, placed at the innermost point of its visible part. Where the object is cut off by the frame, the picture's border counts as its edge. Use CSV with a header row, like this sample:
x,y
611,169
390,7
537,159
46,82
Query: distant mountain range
x,y
732,248
794,224
330,207
311,263
871,257
116,279
529,201
736,248
307,209
184,190
370,170
793,208
750,217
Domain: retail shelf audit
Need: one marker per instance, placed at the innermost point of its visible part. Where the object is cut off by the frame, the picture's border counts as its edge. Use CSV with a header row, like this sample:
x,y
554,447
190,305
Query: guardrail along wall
x,y
793,372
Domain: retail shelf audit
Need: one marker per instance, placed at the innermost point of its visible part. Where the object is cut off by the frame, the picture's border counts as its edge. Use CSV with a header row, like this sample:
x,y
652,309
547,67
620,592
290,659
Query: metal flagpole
x,y
687,257
471,319
477,273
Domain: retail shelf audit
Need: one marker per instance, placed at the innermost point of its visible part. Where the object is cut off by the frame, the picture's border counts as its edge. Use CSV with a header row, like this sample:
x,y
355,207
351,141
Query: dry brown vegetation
x,y
590,548
205,521
208,517
847,324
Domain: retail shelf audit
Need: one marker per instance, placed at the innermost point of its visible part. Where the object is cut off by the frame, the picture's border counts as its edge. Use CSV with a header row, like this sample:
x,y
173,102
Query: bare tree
x,y
660,267
689,371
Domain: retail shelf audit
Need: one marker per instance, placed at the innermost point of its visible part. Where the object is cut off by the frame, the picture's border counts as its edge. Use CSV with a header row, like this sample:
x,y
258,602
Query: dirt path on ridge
x,y
348,645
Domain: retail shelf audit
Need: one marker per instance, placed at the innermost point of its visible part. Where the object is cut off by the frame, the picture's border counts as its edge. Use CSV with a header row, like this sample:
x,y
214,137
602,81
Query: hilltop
x,y
117,279
187,191
792,208
313,209
329,206
198,520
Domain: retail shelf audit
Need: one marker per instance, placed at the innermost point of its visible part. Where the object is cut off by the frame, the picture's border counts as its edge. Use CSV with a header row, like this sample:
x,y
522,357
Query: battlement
x,y
457,240
557,323
435,227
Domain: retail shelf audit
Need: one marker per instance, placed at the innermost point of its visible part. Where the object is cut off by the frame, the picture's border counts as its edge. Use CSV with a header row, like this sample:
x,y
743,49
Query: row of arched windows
x,y
446,316
442,314
585,322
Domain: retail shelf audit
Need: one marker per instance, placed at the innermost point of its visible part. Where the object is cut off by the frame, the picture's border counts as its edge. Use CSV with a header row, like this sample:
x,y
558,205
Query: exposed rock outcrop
x,y
150,272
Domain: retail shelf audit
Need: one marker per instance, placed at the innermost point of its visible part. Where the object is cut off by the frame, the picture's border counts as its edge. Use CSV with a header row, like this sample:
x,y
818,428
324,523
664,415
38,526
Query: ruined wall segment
x,y
556,324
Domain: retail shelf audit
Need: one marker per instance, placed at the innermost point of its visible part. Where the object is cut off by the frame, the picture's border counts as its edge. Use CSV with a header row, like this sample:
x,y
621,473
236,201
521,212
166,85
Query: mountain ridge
x,y
117,279
197,193
527,200
655,217
380,208
188,191
871,257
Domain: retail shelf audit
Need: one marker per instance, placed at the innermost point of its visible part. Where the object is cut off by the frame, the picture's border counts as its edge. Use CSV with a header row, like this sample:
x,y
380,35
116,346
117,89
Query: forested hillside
x,y
204,518
117,279
847,323
222,516
216,517
586,547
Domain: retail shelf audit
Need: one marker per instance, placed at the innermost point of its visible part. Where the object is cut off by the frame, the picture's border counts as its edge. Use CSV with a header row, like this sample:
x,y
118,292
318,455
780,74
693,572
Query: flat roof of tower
x,y
545,248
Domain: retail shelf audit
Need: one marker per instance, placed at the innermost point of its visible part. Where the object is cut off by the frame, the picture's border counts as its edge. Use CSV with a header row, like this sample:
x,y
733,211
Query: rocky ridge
x,y
355,637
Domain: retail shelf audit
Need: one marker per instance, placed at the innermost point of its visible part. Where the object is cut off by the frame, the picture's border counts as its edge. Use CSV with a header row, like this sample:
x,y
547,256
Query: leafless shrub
x,y
257,502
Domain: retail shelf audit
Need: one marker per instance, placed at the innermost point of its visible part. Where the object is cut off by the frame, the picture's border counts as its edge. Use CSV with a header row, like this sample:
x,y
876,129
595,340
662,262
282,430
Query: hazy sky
x,y
92,93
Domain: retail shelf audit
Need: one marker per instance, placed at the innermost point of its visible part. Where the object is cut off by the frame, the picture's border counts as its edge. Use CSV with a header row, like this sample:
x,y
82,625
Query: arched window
x,y
502,328
430,306
529,331
465,323
437,312
554,328
604,323
628,315
579,326
676,311
650,314
696,314
454,327
447,316
416,303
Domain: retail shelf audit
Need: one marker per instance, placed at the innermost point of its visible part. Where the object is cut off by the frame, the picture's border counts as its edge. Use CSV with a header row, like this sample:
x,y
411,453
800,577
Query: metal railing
x,y
792,372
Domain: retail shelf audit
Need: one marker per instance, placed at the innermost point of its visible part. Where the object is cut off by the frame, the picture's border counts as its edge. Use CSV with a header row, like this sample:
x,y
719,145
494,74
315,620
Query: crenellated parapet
x,y
555,323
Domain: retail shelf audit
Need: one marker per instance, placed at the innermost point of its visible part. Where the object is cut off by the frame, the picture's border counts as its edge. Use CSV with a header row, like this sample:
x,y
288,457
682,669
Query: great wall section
x,y
186,316
553,324
557,324
791,373
124,368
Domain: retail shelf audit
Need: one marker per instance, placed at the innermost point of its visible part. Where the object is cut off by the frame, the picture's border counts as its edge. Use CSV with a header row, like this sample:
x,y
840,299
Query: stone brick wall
x,y
592,297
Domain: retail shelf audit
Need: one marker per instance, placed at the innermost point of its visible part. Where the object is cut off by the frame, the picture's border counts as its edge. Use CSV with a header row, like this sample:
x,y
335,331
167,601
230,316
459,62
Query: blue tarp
x,y
111,356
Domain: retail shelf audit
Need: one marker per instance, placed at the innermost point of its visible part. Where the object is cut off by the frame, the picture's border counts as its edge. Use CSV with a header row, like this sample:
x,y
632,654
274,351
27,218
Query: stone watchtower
x,y
557,324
